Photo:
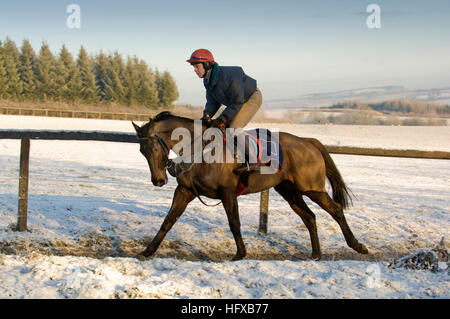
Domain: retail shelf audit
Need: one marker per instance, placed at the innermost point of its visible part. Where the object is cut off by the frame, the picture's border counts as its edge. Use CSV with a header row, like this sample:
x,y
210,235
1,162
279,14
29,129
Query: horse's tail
x,y
341,194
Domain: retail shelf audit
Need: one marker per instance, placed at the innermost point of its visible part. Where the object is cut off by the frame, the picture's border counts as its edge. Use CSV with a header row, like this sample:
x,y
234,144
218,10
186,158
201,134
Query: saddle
x,y
263,148
262,151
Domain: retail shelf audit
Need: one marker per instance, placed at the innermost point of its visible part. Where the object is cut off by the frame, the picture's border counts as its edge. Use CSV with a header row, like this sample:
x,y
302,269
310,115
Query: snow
x,y
92,207
38,276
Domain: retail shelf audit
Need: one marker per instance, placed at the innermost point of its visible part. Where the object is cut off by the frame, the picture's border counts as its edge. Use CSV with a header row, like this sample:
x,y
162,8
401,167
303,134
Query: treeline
x,y
363,118
399,106
103,78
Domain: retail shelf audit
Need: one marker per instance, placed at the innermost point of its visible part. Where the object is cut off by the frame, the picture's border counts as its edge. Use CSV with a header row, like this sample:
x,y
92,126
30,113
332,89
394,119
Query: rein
x,y
168,162
198,195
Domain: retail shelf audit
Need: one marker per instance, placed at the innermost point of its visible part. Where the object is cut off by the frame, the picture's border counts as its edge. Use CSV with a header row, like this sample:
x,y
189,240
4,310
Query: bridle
x,y
169,164
163,145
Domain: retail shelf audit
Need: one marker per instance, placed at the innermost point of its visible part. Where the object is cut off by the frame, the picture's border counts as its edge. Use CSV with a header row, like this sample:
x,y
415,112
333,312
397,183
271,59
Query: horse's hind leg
x,y
336,211
289,192
230,203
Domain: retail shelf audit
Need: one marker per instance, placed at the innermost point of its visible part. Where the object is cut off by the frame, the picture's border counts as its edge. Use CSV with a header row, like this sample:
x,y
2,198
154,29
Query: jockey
x,y
229,86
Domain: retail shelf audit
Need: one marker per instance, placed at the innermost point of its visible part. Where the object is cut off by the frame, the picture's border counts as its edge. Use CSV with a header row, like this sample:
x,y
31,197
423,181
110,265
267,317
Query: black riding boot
x,y
248,153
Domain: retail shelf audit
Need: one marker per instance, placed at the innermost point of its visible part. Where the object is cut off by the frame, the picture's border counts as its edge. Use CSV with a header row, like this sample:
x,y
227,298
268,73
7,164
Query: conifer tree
x,y
10,49
28,70
88,89
61,75
13,86
101,78
75,87
167,89
11,60
115,90
147,93
65,72
46,74
131,81
3,78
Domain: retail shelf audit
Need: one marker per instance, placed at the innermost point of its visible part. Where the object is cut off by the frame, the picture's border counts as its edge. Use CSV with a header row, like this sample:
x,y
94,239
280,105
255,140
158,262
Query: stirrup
x,y
246,167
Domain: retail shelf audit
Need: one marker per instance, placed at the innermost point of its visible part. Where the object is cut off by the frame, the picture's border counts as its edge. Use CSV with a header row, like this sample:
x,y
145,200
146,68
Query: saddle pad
x,y
266,146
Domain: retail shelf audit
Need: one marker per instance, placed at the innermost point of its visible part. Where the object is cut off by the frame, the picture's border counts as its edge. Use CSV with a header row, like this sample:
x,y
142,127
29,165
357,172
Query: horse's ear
x,y
150,120
136,127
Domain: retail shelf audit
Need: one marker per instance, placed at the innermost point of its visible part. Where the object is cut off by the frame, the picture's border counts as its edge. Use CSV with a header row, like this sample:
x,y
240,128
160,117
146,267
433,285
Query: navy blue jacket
x,y
229,86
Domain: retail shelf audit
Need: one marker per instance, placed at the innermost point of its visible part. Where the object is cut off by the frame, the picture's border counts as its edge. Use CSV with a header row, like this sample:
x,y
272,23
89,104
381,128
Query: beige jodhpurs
x,y
248,110
244,116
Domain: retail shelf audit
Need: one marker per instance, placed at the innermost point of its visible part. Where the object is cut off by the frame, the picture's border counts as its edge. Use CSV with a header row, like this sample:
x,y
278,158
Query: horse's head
x,y
155,151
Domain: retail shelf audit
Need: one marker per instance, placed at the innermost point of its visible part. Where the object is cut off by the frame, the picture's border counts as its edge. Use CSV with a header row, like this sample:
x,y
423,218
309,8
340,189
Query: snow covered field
x,y
92,206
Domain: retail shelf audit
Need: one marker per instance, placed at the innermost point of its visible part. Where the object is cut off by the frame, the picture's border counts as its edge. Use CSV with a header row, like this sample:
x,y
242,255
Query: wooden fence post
x,y
23,184
263,211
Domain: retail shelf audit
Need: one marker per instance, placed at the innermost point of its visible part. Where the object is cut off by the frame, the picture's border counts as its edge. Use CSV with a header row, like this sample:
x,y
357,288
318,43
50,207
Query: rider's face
x,y
199,70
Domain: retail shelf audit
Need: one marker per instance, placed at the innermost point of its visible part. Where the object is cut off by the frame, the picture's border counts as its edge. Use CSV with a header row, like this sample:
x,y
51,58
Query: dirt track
x,y
263,247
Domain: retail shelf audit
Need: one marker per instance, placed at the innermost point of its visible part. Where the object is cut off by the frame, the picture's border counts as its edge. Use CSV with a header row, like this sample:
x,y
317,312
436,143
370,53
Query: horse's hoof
x,y
237,257
315,256
142,257
363,249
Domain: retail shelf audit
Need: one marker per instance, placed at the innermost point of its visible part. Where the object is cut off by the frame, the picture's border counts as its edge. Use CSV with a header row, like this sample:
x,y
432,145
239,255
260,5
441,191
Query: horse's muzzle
x,y
160,182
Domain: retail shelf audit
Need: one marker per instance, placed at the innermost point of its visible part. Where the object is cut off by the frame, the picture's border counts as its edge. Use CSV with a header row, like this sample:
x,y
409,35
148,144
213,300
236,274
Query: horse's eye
x,y
144,149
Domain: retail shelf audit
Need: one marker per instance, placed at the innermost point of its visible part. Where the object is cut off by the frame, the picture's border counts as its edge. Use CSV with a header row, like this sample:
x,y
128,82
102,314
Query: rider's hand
x,y
206,120
219,123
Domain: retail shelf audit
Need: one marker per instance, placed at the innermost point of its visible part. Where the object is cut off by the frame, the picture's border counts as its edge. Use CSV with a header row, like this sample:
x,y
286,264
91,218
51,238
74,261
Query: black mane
x,y
166,115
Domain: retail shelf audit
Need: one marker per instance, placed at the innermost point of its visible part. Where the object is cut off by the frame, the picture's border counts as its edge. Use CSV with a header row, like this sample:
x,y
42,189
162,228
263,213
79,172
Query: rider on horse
x,y
229,86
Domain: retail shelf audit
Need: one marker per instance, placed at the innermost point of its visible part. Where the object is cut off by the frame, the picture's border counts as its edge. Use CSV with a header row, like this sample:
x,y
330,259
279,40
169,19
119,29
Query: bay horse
x,y
304,171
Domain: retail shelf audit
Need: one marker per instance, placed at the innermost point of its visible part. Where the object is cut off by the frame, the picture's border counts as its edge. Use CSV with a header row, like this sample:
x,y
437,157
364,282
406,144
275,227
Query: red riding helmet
x,y
201,55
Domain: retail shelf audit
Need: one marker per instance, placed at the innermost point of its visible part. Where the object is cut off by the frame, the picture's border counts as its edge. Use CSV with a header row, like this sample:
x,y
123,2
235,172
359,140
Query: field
x,y
92,206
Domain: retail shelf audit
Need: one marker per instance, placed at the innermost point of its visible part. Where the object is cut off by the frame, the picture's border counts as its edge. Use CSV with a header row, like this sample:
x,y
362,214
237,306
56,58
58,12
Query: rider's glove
x,y
206,120
220,124
217,123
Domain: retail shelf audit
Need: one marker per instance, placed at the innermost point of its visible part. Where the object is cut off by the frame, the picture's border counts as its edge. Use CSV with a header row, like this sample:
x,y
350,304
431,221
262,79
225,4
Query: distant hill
x,y
372,94
397,106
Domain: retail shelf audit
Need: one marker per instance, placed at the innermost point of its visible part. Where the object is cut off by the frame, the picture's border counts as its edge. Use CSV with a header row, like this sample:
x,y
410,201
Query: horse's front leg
x,y
230,203
181,199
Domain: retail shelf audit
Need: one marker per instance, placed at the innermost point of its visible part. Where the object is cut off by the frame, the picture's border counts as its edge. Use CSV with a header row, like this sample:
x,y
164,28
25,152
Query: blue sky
x,y
290,47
